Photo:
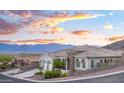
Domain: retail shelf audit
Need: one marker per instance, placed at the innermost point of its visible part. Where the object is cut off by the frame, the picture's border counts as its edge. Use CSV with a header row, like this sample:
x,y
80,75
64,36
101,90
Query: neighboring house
x,y
80,57
28,58
27,62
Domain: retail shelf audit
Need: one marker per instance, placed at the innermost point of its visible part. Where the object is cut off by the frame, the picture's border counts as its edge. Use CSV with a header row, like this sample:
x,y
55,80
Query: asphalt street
x,y
6,79
118,78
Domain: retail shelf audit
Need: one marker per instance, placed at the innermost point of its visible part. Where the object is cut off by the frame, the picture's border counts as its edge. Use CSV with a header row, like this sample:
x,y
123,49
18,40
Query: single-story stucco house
x,y
80,57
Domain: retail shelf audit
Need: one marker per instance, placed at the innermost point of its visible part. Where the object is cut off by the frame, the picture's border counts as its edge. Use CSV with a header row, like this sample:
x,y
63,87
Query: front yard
x,y
57,72
50,74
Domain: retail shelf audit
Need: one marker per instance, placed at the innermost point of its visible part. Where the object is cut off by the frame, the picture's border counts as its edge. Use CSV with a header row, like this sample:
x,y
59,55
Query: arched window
x,y
92,63
77,63
83,63
105,60
101,61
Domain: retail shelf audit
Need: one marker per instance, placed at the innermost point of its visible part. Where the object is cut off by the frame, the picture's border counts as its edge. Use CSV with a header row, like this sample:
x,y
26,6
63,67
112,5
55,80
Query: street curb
x,y
81,78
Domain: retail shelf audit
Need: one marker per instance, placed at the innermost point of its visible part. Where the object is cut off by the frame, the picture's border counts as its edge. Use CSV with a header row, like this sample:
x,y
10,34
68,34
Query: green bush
x,y
48,74
59,64
39,73
52,74
56,73
65,75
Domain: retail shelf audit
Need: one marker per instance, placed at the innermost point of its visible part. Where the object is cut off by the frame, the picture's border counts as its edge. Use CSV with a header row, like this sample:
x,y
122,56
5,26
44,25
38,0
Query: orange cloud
x,y
81,33
52,30
6,41
78,15
45,24
115,38
40,41
33,41
56,30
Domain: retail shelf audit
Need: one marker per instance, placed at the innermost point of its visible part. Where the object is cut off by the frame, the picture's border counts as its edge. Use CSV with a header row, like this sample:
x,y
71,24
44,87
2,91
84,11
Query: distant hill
x,y
119,45
39,48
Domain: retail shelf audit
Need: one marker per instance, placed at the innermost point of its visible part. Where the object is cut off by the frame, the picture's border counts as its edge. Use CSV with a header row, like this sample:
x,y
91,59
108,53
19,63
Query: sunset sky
x,y
64,27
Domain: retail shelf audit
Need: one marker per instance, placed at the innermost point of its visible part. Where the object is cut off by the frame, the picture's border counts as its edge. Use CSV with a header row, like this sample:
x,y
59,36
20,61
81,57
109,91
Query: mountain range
x,y
52,47
38,48
119,45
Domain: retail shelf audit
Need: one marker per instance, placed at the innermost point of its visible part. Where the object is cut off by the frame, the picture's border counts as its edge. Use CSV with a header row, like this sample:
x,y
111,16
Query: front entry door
x,y
48,66
45,66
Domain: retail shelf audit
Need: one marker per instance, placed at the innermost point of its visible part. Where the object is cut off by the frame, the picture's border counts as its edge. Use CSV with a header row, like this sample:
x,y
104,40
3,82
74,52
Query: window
x,y
92,63
77,63
64,60
105,61
83,64
101,61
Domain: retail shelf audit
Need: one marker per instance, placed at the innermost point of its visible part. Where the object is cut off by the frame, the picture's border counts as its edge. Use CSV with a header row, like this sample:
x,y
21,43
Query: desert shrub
x,y
52,74
4,60
3,66
65,75
48,74
56,73
39,73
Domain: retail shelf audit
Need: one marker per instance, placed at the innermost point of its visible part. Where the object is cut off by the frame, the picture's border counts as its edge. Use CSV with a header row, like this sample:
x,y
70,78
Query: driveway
x,y
26,74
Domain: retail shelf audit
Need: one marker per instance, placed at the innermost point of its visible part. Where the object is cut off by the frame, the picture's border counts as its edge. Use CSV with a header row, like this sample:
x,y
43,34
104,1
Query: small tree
x,y
40,72
59,64
40,68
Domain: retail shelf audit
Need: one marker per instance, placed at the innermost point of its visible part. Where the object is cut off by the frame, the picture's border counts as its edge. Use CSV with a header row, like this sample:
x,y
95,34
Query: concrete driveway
x,y
26,74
